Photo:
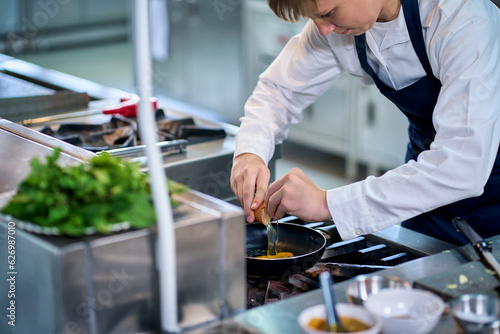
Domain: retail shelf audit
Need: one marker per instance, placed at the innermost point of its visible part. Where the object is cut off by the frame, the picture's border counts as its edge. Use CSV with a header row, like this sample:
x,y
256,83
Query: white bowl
x,y
343,309
409,311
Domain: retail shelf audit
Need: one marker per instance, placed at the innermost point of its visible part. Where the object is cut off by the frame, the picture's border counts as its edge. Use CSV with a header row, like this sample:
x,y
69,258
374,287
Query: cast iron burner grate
x,y
117,133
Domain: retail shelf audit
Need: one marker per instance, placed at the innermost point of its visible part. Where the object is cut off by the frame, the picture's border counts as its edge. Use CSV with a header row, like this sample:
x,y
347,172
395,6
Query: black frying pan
x,y
305,243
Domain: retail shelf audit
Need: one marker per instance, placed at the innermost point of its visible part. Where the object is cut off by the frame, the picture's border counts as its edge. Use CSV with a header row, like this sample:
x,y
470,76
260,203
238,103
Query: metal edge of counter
x,y
43,139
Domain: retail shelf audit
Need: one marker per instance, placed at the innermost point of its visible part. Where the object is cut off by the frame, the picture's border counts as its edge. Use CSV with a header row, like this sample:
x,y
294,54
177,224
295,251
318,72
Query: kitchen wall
x,y
28,26
204,63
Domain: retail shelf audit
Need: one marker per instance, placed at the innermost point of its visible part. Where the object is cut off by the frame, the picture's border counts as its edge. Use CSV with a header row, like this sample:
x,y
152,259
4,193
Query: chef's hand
x,y
249,181
298,196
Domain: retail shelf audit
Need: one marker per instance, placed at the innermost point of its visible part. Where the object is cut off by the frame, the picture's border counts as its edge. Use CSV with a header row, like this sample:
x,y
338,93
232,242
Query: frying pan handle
x,y
330,233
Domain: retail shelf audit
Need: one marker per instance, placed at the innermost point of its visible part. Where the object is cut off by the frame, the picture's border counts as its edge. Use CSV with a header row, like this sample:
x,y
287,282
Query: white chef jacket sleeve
x,y
464,52
304,69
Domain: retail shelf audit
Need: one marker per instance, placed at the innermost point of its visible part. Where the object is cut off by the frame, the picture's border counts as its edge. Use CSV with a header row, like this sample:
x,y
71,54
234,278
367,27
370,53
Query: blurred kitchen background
x,y
207,58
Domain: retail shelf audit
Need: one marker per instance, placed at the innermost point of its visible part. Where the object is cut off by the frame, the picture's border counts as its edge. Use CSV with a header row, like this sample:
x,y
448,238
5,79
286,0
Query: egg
x,y
261,214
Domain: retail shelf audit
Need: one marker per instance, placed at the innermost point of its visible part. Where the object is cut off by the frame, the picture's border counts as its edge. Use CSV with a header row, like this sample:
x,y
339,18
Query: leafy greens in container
x,y
87,198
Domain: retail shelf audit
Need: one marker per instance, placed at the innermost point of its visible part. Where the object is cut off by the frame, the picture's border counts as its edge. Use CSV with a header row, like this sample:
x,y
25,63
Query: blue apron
x,y
417,102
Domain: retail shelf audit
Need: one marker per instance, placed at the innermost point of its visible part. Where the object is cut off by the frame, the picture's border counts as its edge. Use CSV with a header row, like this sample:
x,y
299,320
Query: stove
x,y
344,260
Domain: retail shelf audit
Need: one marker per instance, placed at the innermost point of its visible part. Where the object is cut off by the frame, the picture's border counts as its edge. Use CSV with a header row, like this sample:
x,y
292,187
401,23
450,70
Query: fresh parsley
x,y
97,194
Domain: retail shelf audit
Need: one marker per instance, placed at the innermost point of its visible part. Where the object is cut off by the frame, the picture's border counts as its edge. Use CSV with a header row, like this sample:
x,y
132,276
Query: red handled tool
x,y
127,107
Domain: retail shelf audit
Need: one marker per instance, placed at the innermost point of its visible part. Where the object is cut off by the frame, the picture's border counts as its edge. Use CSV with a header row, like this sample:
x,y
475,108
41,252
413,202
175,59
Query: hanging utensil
x,y
333,321
483,248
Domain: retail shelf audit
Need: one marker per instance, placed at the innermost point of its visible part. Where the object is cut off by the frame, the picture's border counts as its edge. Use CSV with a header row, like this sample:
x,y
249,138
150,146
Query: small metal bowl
x,y
362,286
476,313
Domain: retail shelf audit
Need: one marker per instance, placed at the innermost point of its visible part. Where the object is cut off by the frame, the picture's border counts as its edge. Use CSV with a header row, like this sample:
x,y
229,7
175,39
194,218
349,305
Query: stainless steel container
x,y
108,284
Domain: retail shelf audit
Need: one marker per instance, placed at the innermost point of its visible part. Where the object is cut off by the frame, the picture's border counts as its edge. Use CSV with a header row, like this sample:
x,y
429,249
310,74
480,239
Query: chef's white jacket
x,y
463,45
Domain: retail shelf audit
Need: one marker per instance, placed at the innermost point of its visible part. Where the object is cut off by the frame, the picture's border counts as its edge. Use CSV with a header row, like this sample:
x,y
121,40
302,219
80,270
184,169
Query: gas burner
x,y
185,128
117,133
262,291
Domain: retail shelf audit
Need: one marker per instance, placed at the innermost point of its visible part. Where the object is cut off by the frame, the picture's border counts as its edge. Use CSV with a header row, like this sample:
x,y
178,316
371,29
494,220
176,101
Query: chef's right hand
x,y
249,181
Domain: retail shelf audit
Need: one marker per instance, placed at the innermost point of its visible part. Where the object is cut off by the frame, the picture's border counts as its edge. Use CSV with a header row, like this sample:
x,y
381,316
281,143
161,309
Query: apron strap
x,y
414,26
411,9
361,48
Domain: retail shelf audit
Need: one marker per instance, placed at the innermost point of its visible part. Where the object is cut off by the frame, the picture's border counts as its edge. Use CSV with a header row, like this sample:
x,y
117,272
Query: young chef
x,y
439,62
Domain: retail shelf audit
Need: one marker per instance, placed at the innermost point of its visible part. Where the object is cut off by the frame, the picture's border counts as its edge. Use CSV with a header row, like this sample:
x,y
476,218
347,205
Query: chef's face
x,y
352,17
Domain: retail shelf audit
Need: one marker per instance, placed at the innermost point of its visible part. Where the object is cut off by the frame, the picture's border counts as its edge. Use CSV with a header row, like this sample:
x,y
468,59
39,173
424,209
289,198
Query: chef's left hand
x,y
298,196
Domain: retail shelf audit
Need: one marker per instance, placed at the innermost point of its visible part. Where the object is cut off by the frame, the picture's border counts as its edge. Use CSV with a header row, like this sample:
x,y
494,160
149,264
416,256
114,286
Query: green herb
x,y
97,194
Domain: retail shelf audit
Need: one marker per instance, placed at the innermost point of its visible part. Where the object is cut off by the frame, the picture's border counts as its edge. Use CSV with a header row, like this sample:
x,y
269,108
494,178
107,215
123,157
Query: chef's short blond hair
x,y
292,10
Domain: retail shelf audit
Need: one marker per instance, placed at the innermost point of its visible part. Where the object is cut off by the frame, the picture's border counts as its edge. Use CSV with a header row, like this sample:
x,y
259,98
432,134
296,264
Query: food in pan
x,y
279,255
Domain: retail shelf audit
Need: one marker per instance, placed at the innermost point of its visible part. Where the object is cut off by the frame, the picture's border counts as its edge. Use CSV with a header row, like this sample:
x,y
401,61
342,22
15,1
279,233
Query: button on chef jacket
x,y
462,40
